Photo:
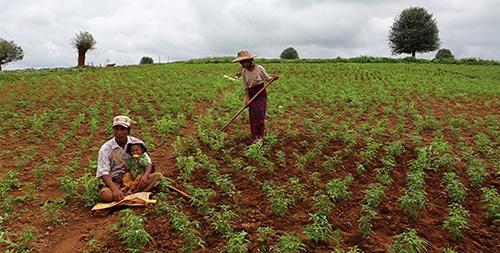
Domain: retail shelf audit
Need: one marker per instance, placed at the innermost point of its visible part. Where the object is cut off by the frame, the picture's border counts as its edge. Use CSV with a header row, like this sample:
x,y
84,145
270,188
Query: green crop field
x,y
375,157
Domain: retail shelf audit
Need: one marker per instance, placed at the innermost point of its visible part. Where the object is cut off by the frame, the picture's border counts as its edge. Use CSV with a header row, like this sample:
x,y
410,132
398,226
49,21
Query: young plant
x,y
22,244
93,246
457,220
383,176
251,173
69,186
477,172
237,242
337,189
370,151
211,137
223,221
305,160
187,164
9,181
163,185
408,241
492,202
256,152
235,163
281,158
322,203
374,194
298,191
276,194
184,146
331,162
320,229
360,169
51,209
395,149
187,228
167,125
455,189
439,151
484,144
131,231
414,197
412,201
289,243
200,197
264,237
315,178
221,180
90,189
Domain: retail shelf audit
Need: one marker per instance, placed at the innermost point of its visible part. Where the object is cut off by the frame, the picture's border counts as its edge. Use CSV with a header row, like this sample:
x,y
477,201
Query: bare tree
x,y
83,41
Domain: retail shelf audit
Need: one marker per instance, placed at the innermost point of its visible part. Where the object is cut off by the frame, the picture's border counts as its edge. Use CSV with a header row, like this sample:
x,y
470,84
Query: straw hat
x,y
244,55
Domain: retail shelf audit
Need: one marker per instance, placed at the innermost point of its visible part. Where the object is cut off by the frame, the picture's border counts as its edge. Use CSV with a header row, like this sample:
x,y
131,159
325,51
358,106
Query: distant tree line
x,y
414,31
359,59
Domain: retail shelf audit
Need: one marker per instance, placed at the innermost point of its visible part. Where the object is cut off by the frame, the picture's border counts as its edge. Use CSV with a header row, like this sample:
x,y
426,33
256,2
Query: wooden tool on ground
x,y
185,195
249,102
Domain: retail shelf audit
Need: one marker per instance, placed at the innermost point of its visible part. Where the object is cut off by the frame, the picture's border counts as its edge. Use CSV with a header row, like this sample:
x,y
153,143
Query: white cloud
x,y
126,30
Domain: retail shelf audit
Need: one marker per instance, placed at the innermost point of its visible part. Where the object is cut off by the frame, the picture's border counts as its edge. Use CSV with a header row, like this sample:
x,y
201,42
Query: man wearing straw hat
x,y
254,76
111,165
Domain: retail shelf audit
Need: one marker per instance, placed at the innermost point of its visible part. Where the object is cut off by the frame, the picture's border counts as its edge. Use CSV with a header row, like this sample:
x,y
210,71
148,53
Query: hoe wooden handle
x,y
249,102
180,192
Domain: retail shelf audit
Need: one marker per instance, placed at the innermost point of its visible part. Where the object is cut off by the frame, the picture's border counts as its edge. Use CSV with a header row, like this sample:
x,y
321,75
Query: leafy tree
x,y
289,53
146,60
444,53
83,41
415,30
9,52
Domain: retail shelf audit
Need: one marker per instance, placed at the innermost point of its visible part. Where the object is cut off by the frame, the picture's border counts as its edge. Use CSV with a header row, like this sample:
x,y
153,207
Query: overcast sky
x,y
126,30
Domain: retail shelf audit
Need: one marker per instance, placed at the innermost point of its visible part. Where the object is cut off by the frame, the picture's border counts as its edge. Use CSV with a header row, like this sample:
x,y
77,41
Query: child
x,y
254,77
136,163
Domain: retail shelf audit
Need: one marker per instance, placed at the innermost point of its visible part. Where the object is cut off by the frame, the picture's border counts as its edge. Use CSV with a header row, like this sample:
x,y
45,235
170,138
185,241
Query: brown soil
x,y
251,204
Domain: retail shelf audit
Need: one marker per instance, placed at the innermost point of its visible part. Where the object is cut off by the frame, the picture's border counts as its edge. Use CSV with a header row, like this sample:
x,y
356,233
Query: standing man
x,y
254,77
111,165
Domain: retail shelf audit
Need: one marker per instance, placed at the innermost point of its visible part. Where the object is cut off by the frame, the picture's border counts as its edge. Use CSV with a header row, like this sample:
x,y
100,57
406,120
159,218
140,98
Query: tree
x,y
9,52
444,53
83,41
146,60
289,53
415,30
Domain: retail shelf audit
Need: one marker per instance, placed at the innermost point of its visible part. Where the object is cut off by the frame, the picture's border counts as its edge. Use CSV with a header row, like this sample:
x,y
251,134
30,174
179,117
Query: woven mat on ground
x,y
136,199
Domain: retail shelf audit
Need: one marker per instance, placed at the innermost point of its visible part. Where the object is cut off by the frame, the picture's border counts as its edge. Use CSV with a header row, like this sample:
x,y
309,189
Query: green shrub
x,y
443,54
146,60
